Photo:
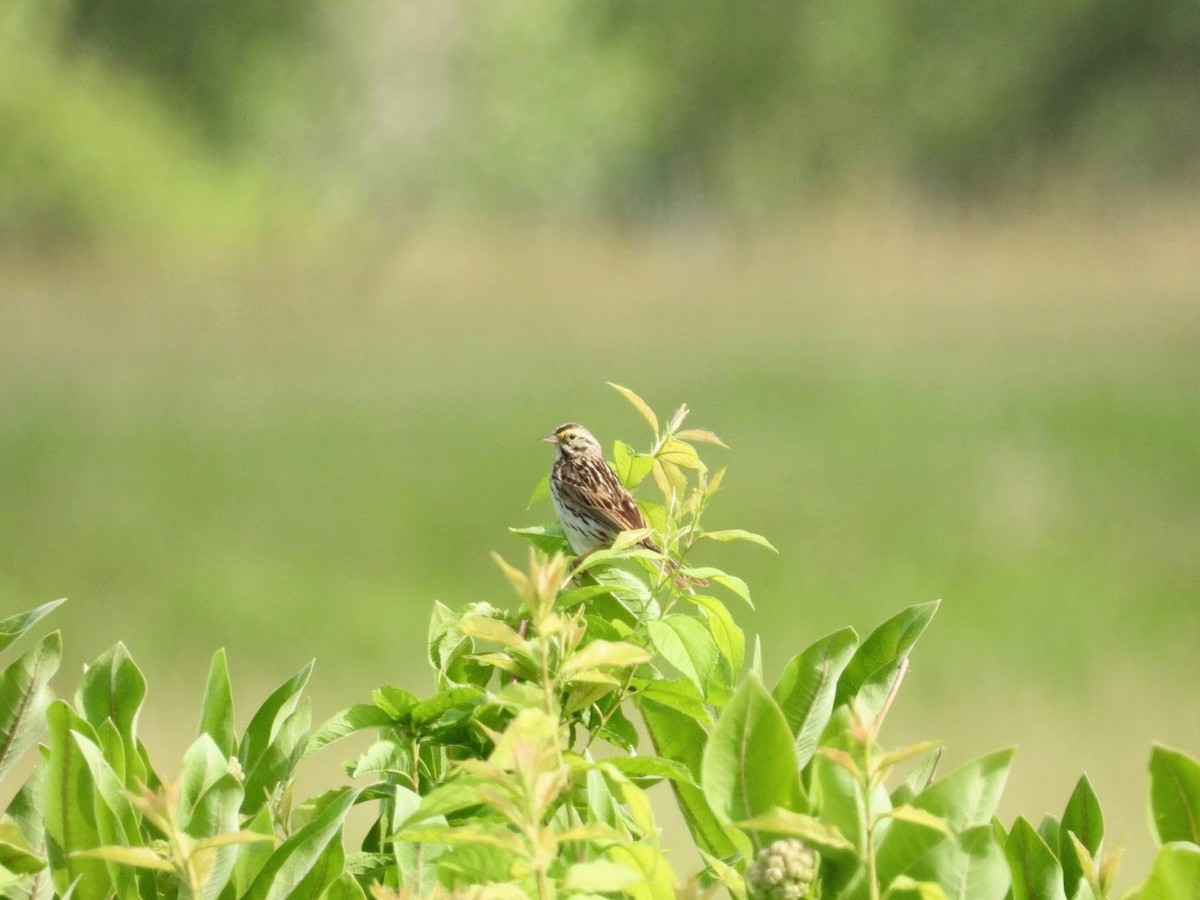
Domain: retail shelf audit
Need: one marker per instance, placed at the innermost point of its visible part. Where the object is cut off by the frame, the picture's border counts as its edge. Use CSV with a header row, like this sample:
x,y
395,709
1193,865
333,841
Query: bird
x,y
592,504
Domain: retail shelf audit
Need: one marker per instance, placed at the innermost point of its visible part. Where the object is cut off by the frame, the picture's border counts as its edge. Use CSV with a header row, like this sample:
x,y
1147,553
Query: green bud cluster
x,y
785,870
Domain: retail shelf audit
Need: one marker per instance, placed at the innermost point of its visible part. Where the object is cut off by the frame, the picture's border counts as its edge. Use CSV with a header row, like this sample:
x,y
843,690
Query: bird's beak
x,y
550,439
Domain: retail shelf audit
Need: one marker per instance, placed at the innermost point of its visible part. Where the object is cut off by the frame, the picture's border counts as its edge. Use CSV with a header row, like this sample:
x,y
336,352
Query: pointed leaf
x,y
737,534
792,824
1084,820
70,814
639,404
808,686
969,795
359,717
1174,795
687,645
1036,873
25,696
540,491
1176,873
703,435
13,627
749,765
295,858
869,675
216,709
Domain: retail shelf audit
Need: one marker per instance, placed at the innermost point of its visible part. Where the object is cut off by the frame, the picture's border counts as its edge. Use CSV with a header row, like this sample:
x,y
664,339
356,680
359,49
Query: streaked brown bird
x,y
592,504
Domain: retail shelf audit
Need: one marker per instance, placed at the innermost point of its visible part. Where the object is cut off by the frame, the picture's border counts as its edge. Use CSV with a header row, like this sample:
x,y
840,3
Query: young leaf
x,y
216,709
1036,873
15,853
639,404
264,728
806,690
540,490
24,697
357,718
703,435
687,645
749,765
869,675
1176,873
631,467
652,767
70,814
550,539
737,534
732,582
971,867
295,858
806,828
969,795
1174,795
113,687
1084,820
13,627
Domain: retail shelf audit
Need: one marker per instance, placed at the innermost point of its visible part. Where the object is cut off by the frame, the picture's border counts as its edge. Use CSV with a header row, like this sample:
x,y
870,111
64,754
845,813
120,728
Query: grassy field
x,y
294,456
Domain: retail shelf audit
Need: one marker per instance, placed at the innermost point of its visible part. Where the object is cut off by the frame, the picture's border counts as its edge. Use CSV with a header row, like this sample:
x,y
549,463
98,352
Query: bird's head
x,y
574,441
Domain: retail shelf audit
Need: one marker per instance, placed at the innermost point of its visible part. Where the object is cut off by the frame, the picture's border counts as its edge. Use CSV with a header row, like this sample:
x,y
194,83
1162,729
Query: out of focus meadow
x,y
288,292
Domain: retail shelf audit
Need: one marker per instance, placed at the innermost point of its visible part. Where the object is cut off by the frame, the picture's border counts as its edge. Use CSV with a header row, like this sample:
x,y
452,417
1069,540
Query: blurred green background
x,y
288,292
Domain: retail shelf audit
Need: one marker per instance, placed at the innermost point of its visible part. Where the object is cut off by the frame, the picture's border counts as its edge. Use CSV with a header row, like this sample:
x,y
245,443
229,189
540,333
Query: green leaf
x,y
749,764
674,452
272,722
349,721
678,736
302,853
344,887
138,857
736,534
969,795
273,768
807,688
971,867
1036,873
652,767
686,644
550,539
216,710
639,404
919,777
600,875
428,713
1176,873
252,858
15,626
70,812
15,853
113,687
115,819
792,824
541,490
717,576
630,467
870,673
731,640
1174,795
25,696
1084,819
604,654
703,435
385,756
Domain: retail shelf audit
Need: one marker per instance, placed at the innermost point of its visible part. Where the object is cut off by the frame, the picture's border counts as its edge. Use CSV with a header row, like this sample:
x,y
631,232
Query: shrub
x,y
495,785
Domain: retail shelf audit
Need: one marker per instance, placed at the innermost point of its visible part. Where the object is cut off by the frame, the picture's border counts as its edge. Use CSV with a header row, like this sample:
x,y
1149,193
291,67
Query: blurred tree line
x,y
128,115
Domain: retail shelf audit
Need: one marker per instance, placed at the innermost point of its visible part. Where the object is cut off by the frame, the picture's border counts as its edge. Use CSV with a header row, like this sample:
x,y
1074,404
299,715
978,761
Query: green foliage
x,y
496,786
